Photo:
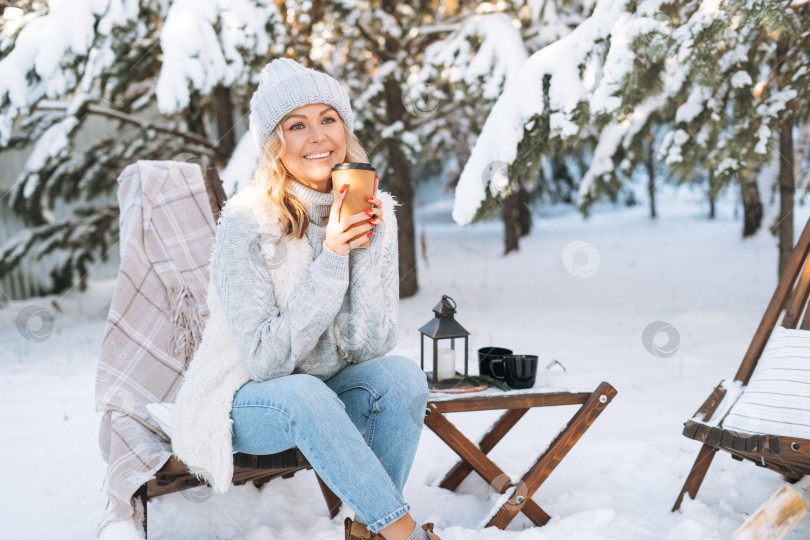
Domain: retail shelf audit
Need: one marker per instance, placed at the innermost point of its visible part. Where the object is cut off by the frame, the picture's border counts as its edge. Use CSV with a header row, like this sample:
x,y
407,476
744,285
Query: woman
x,y
293,352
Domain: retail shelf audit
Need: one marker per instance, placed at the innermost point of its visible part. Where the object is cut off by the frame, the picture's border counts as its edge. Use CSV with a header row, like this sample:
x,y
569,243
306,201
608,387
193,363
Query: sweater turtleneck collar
x,y
318,204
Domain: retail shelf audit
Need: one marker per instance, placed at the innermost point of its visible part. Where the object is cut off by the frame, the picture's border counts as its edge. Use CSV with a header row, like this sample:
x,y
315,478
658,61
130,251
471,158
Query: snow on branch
x,y
522,98
204,43
52,49
499,56
69,46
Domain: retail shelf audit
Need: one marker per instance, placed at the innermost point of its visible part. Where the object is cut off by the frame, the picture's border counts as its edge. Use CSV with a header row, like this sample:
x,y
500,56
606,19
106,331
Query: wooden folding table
x,y
516,403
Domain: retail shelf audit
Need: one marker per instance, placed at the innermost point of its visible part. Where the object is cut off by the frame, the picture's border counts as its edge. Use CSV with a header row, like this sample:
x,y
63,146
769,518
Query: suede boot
x,y
357,531
428,527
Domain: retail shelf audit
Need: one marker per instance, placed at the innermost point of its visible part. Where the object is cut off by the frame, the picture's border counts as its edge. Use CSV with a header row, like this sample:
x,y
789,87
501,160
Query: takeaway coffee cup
x,y
360,180
520,370
490,361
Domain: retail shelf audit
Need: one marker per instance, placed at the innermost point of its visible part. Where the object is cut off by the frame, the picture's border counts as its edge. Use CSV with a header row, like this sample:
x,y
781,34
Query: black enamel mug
x,y
490,361
520,370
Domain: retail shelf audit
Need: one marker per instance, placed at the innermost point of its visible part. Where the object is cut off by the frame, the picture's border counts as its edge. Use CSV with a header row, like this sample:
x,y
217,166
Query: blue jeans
x,y
383,398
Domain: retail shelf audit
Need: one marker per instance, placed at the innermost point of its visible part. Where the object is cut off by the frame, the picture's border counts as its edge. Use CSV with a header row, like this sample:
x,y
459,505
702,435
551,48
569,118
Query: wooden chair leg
x,y
774,519
557,450
462,469
333,502
478,461
696,475
141,494
260,483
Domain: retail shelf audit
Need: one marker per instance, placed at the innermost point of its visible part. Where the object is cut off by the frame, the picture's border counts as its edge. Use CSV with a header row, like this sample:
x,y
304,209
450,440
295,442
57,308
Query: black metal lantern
x,y
444,377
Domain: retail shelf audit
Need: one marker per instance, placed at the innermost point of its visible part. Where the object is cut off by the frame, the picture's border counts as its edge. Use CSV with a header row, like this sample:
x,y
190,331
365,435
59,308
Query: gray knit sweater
x,y
361,289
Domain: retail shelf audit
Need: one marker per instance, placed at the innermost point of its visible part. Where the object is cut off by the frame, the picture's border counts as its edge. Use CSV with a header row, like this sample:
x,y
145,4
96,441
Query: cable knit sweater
x,y
279,308
358,292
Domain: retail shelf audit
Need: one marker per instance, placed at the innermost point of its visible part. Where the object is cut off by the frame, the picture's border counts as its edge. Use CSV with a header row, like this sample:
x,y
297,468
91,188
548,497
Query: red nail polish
x,y
343,188
369,211
369,235
369,198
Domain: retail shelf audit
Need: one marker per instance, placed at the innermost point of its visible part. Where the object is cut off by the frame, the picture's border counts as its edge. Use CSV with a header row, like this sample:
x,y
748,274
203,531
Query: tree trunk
x,y
194,117
511,222
712,193
524,212
752,204
787,182
787,188
400,182
225,125
649,163
801,154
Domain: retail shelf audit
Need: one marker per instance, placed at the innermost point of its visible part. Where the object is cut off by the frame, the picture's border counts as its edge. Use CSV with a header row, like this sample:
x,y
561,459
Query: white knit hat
x,y
285,85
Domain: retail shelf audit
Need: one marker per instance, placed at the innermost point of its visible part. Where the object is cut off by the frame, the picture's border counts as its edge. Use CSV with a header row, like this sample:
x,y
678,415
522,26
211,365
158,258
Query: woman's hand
x,y
375,213
338,237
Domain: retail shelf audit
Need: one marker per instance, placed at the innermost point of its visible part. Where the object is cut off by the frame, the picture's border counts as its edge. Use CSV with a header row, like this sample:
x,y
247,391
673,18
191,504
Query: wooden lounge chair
x,y
174,475
789,456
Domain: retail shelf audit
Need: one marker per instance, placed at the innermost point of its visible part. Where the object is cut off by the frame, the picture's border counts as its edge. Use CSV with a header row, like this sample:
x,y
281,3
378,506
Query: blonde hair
x,y
271,177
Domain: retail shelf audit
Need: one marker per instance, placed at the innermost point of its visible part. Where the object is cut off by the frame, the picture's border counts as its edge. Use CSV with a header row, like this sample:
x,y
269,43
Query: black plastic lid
x,y
345,166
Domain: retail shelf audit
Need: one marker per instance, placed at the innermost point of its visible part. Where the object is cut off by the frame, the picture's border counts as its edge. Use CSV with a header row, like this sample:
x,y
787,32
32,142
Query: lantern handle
x,y
451,300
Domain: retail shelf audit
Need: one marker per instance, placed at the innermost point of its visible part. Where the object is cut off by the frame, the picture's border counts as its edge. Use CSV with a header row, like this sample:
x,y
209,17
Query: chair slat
x,y
706,411
774,310
797,302
787,455
216,193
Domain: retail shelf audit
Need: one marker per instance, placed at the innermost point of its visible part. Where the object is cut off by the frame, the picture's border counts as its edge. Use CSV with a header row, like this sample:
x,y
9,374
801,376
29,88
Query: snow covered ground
x,y
618,483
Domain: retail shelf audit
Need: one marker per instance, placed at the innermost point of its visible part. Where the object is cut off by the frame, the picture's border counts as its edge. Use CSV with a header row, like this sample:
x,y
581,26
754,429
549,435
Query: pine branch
x,y
476,380
143,125
83,238
372,43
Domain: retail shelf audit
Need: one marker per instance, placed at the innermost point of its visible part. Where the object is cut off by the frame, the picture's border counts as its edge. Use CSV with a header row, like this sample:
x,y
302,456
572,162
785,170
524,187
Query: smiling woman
x,y
315,141
295,351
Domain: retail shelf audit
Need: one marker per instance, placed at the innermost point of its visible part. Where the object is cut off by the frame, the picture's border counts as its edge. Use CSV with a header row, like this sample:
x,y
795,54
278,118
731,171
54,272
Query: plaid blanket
x,y
155,320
